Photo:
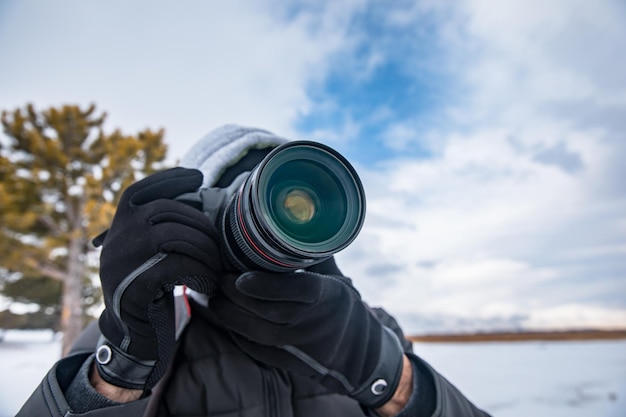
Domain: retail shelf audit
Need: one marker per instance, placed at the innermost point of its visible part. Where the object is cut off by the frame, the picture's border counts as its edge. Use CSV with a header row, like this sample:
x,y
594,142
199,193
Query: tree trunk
x,y
72,321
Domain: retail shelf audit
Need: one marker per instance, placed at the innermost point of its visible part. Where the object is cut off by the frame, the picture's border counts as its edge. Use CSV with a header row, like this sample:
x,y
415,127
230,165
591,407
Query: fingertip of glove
x,y
165,184
191,175
99,240
257,283
279,286
246,279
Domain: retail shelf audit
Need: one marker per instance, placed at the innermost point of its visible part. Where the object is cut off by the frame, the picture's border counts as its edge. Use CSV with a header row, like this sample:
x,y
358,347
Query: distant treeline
x,y
29,321
521,336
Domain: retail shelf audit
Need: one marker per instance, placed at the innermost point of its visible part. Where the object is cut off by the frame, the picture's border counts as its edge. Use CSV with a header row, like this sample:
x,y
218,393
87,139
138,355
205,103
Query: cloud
x,y
577,315
533,58
513,216
187,68
495,230
558,155
489,135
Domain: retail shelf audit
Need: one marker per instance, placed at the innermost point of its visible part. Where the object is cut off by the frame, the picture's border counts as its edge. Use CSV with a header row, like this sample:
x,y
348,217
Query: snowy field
x,y
555,379
538,379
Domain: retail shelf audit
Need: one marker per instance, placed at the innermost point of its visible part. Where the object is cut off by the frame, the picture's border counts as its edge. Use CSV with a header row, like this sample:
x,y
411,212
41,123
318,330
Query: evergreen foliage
x,y
61,176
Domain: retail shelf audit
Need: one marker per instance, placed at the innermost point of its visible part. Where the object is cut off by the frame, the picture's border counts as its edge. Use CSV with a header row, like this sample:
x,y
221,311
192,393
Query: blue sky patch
x,y
392,76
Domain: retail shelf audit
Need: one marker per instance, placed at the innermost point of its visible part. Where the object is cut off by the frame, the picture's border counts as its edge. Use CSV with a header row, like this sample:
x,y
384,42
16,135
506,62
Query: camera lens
x,y
300,205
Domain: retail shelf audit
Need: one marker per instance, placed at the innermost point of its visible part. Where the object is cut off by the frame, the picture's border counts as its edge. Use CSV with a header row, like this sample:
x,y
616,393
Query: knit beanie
x,y
224,147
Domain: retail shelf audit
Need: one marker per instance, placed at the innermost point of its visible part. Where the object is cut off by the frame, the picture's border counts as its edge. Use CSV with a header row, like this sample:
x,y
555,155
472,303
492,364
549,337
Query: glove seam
x,y
315,365
119,292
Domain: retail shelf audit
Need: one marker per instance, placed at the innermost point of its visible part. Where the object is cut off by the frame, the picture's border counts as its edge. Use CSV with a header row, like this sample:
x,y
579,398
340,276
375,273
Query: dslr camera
x,y
300,205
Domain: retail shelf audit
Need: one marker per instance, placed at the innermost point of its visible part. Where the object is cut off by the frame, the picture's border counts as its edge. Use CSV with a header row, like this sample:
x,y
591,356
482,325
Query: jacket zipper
x,y
271,387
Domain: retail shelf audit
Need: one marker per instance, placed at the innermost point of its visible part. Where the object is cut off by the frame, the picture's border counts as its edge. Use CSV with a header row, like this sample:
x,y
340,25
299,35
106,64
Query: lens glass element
x,y
299,205
309,199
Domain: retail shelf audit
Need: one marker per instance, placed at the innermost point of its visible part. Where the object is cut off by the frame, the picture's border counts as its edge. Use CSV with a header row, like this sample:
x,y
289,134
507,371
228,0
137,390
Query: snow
x,y
552,379
25,357
555,379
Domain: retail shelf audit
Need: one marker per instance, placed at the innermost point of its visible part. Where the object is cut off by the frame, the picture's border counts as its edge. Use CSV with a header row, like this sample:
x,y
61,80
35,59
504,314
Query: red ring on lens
x,y
251,242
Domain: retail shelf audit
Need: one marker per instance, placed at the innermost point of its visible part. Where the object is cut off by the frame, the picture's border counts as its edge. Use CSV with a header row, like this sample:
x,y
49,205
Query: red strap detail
x,y
186,300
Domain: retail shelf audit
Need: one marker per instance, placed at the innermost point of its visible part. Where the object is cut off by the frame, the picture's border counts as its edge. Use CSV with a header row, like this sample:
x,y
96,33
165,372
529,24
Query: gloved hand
x,y
312,324
153,244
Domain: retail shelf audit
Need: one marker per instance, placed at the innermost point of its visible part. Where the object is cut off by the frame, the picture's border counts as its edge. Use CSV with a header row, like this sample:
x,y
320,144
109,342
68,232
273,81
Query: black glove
x,y
153,244
312,324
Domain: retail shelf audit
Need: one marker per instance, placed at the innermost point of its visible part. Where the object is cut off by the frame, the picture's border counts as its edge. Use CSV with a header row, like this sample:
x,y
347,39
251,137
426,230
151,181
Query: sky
x,y
489,135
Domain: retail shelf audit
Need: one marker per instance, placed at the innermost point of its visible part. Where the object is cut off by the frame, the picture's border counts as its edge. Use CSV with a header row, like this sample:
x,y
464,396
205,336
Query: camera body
x,y
299,206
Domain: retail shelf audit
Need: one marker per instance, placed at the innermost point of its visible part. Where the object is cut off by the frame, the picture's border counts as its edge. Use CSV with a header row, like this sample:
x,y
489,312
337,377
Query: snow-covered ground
x,y
25,357
522,379
555,379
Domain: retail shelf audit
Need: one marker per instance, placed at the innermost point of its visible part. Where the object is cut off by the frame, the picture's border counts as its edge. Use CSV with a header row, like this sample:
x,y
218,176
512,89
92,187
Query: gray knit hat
x,y
224,147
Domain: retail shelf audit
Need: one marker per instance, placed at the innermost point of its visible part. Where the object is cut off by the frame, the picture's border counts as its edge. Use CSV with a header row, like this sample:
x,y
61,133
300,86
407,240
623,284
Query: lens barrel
x,y
303,203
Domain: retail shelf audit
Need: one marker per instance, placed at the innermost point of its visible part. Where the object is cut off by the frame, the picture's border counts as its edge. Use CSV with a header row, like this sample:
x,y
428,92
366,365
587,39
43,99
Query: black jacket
x,y
211,377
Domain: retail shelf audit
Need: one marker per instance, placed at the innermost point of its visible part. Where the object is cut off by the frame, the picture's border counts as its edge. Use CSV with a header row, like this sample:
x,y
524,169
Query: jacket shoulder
x,y
48,399
449,401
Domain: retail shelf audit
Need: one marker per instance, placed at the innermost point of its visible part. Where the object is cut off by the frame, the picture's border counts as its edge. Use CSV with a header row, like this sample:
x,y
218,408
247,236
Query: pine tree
x,y
61,176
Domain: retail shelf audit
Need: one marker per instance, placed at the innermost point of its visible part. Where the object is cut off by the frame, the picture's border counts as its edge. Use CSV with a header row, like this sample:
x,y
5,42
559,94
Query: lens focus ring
x,y
235,225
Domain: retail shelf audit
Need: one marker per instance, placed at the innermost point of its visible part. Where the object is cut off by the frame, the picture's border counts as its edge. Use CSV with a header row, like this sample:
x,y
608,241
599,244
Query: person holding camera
x,y
257,331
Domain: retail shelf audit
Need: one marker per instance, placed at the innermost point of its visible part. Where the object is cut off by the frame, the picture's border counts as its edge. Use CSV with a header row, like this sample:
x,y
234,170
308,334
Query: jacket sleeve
x,y
48,399
448,400
431,390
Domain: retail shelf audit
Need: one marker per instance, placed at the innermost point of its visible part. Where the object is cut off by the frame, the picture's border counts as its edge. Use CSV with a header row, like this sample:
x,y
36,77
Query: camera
x,y
299,206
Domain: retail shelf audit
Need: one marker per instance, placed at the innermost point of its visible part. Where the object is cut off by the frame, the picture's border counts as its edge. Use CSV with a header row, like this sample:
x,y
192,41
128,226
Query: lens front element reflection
x,y
299,206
